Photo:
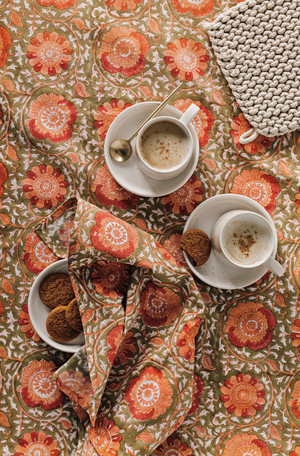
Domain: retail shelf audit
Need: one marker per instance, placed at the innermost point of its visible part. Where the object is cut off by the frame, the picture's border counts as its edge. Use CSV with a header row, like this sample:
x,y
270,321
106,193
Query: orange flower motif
x,y
259,186
297,202
186,198
105,437
159,305
186,59
5,43
296,452
109,192
36,444
45,186
113,339
171,447
295,335
38,387
58,4
172,245
198,389
125,349
49,53
89,449
106,115
65,232
186,339
112,281
243,395
79,385
203,121
114,236
121,5
3,178
294,403
51,116
149,395
240,125
122,50
246,444
249,325
197,9
26,326
37,254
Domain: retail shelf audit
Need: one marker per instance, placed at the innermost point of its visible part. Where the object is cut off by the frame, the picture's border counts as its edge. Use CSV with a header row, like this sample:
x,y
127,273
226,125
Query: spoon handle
x,y
157,110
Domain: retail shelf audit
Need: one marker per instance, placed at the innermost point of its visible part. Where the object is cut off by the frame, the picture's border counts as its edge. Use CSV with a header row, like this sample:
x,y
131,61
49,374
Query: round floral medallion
x,y
109,192
243,395
113,339
78,384
159,305
172,447
250,325
122,348
186,198
106,115
3,178
259,186
123,5
186,339
58,4
123,50
105,437
45,186
294,403
246,445
198,8
149,395
38,387
37,255
295,335
51,116
25,323
49,53
36,444
296,452
240,125
110,278
5,43
114,236
186,59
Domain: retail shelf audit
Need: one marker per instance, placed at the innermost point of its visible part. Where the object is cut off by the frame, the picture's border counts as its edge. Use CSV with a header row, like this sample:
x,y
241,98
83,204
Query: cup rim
x,y
171,120
257,263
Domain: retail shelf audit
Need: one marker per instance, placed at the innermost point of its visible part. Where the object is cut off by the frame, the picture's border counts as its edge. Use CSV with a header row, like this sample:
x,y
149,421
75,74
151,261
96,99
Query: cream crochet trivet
x,y
257,45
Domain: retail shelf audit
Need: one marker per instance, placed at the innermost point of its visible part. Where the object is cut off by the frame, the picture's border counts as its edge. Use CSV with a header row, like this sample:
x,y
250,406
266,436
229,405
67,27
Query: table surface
x,y
67,69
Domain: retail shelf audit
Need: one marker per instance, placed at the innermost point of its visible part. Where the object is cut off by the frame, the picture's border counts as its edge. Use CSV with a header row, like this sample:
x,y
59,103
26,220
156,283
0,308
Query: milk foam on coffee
x,y
164,145
246,242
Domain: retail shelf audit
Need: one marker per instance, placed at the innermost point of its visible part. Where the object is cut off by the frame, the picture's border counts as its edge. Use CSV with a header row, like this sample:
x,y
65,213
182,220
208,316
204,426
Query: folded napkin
x,y
132,384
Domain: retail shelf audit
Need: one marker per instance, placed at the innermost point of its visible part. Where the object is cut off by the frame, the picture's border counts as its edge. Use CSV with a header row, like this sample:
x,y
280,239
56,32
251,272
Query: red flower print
x,y
186,198
172,447
186,339
49,53
186,59
159,305
38,387
121,5
203,121
259,186
149,395
198,389
240,125
5,43
197,9
122,50
243,395
296,452
295,335
37,254
250,325
114,236
172,245
295,401
51,116
110,278
3,178
65,232
26,326
297,202
107,114
125,349
105,437
109,192
45,186
246,444
113,339
1,115
36,444
58,4
78,385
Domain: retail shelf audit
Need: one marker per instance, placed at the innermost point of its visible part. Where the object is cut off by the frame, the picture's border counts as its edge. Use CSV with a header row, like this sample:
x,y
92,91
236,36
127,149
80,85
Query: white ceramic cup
x,y
224,241
182,123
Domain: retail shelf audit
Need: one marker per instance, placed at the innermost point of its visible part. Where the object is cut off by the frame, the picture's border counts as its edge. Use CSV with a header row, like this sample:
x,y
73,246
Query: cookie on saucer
x,y
56,290
197,245
58,327
73,316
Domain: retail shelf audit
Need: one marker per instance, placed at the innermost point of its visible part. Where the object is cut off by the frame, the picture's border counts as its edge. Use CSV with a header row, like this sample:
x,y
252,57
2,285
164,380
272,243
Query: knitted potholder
x,y
257,47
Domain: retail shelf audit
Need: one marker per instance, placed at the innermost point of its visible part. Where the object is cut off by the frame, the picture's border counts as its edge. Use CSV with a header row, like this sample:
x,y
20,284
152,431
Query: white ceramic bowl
x,y
38,312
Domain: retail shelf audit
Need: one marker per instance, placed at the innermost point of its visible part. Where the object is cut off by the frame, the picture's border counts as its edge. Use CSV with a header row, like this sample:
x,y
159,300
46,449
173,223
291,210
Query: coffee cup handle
x,y
274,266
189,114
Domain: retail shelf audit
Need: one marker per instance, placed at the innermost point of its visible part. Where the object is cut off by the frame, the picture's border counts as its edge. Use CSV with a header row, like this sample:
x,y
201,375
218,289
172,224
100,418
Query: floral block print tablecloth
x,y
67,69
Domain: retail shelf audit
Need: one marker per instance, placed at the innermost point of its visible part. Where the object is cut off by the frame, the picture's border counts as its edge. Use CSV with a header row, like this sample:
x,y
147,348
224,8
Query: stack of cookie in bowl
x,y
63,322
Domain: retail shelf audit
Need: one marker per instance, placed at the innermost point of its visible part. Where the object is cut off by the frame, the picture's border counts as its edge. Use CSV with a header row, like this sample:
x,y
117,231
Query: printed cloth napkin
x,y
132,384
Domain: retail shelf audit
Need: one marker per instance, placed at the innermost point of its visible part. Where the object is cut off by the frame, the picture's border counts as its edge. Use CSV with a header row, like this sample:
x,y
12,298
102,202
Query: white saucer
x,y
38,312
128,174
214,272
